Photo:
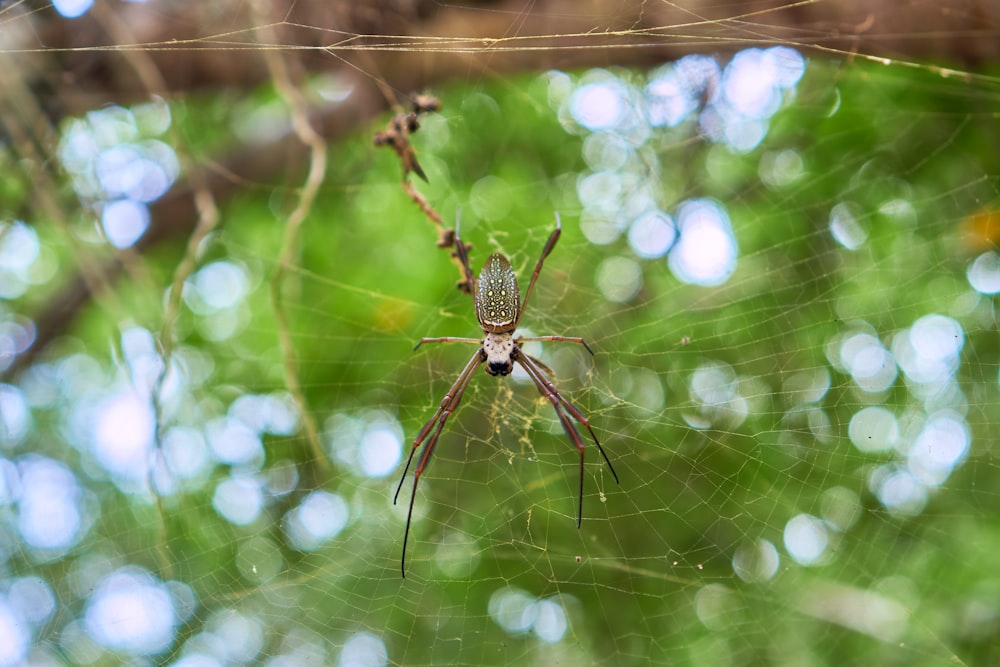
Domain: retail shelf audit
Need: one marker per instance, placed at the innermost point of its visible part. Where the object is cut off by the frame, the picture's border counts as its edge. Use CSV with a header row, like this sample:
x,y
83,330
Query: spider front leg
x,y
448,405
462,253
549,245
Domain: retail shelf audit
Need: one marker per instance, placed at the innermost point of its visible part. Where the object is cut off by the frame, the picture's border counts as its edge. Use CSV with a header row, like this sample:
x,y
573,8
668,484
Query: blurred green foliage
x,y
649,578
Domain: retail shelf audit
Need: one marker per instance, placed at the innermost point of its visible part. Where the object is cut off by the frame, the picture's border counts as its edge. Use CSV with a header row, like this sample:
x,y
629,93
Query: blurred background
x,y
780,224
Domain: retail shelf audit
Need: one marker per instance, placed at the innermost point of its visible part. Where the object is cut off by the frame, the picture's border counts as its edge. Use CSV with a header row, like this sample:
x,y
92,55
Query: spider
x,y
499,309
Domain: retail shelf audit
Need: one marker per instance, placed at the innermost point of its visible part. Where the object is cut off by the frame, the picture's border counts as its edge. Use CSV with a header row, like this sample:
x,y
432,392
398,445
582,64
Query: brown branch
x,y
418,42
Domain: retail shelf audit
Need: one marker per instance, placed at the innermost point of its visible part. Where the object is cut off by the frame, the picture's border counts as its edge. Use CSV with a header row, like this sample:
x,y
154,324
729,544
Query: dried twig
x,y
308,135
397,136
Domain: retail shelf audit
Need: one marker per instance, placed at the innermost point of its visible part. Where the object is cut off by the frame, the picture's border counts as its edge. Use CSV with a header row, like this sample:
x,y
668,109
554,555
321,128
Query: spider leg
x,y
549,245
462,252
549,391
543,387
581,418
556,339
447,339
448,405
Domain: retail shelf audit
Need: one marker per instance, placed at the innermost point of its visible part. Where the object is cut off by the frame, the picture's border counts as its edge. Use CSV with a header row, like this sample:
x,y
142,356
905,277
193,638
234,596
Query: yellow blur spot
x,y
391,315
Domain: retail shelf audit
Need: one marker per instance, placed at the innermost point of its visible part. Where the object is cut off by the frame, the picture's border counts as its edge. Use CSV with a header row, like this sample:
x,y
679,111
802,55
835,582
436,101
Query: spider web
x,y
804,435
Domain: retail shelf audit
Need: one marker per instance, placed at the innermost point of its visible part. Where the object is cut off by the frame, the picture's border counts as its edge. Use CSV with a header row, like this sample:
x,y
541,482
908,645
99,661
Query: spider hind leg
x,y
548,389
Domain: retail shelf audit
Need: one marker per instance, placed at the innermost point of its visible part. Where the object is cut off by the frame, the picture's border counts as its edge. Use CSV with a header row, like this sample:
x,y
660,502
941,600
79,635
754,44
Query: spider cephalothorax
x,y
499,308
499,349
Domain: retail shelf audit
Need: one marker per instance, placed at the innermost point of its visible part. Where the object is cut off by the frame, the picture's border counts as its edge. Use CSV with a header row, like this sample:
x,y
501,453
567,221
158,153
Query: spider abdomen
x,y
497,298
